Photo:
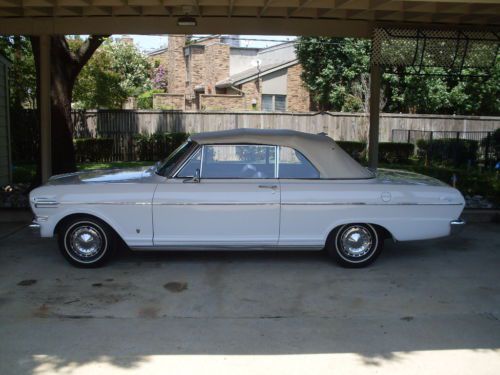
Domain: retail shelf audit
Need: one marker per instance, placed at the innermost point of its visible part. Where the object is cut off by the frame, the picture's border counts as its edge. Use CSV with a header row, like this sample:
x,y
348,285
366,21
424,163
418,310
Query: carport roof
x,y
354,17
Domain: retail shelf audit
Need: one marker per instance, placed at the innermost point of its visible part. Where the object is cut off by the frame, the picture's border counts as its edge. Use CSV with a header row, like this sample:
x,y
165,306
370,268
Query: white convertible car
x,y
245,189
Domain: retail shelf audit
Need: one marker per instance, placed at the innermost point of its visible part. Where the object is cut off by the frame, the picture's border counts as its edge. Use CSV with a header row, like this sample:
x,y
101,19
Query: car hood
x,y
139,174
398,177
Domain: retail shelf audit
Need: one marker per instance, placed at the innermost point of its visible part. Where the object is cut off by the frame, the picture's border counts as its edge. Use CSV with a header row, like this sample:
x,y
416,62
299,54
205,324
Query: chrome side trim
x,y
224,247
216,204
365,204
109,203
40,205
45,203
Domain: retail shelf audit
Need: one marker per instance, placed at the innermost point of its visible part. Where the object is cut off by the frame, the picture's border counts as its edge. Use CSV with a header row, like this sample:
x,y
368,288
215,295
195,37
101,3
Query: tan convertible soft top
x,y
330,160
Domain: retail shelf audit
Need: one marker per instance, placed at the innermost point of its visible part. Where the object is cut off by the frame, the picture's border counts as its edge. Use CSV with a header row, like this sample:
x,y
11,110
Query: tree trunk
x,y
62,81
65,67
63,152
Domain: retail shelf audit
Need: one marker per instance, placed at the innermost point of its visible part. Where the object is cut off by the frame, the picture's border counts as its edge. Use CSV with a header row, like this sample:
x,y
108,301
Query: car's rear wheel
x,y
86,241
355,245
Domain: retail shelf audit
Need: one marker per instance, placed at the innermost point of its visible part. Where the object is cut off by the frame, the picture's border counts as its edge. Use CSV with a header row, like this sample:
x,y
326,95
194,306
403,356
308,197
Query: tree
x,y
331,66
22,73
116,71
132,66
336,71
98,85
66,64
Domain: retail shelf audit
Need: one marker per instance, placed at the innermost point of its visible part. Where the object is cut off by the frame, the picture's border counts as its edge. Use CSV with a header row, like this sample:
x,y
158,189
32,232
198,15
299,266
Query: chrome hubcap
x,y
356,241
86,241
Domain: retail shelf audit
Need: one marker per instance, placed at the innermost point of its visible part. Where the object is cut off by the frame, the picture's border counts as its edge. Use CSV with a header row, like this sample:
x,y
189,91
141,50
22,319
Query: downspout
x,y
237,89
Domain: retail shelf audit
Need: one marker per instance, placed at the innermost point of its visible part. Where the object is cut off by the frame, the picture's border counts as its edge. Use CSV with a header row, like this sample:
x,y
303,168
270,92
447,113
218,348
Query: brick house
x,y
216,73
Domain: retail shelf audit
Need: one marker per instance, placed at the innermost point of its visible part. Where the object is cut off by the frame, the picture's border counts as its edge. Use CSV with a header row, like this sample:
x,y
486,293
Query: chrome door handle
x,y
274,187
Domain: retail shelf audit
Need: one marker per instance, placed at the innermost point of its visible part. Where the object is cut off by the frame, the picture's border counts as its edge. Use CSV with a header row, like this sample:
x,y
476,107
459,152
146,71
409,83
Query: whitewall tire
x,y
86,241
355,245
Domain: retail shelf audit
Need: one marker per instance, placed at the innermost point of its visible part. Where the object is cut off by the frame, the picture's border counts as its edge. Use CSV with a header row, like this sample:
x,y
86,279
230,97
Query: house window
x,y
273,103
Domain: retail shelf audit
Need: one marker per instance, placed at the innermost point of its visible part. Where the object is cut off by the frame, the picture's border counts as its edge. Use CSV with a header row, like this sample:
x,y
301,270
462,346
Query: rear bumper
x,y
456,226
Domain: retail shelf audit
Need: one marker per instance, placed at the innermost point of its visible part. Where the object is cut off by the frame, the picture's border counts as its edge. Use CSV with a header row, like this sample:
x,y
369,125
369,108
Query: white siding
x,y
240,59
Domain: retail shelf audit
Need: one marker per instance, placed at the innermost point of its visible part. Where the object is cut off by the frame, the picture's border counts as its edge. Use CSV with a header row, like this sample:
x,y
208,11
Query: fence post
x,y
409,136
487,151
429,153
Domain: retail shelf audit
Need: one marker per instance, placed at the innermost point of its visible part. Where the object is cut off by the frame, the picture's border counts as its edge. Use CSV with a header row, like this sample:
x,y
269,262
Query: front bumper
x,y
456,226
35,227
36,224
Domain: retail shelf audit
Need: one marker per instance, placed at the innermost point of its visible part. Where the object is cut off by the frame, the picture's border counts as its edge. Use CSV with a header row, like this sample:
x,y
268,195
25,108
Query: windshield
x,y
167,165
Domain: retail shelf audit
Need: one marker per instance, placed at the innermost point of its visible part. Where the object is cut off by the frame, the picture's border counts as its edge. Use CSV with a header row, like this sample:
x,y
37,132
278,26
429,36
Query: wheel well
x,y
383,232
73,216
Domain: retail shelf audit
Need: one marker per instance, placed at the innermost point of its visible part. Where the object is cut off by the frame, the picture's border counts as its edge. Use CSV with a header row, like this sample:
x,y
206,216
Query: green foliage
x,y
98,86
336,69
456,152
157,145
22,73
492,141
93,149
355,149
331,66
23,173
116,71
352,103
24,135
131,65
145,100
394,152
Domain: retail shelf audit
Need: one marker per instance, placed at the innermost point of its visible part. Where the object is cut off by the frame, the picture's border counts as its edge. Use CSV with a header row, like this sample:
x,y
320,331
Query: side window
x,y
238,161
294,165
191,166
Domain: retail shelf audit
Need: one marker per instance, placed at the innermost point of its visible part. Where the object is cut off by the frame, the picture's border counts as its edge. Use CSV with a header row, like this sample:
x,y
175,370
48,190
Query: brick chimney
x,y
176,64
217,64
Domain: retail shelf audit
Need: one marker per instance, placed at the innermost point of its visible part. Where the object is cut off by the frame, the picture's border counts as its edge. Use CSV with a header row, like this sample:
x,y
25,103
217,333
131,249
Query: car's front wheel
x,y
86,241
355,245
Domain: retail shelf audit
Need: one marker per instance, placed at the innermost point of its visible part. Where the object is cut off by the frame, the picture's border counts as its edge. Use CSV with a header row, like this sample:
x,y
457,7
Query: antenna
x,y
256,63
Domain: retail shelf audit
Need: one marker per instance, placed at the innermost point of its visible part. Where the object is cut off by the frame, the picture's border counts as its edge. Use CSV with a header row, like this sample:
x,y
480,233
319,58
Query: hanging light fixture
x,y
186,21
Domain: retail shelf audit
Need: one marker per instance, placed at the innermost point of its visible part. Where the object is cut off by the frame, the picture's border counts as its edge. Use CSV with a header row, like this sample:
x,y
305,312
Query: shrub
x,y
157,145
394,152
456,152
145,100
355,149
492,141
93,149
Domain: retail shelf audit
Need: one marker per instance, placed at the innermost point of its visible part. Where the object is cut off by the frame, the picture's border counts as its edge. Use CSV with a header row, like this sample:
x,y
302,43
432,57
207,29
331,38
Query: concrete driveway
x,y
423,308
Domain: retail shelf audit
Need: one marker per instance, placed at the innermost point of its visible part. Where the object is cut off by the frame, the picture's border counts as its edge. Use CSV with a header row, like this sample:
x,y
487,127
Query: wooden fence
x,y
340,126
123,125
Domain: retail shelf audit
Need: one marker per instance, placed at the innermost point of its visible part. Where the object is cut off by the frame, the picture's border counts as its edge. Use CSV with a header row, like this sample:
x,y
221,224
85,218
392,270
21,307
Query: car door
x,y
304,214
235,202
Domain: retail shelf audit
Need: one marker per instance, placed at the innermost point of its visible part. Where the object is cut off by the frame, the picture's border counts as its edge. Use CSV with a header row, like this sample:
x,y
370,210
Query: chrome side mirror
x,y
195,179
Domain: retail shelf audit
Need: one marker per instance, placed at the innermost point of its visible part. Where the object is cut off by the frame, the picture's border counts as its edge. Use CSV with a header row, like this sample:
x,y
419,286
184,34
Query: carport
x,y
453,26
430,309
